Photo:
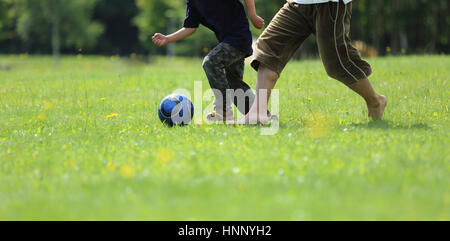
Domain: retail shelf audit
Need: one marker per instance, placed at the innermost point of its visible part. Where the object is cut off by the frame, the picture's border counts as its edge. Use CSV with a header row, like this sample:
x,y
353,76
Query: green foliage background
x,y
123,27
76,28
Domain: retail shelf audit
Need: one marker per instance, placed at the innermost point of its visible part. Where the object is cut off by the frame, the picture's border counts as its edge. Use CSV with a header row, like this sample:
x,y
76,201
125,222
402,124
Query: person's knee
x,y
208,63
212,64
268,73
332,72
334,75
342,75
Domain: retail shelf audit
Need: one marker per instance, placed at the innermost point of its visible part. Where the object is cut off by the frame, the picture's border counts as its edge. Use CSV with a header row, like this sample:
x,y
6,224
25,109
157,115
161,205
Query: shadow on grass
x,y
384,124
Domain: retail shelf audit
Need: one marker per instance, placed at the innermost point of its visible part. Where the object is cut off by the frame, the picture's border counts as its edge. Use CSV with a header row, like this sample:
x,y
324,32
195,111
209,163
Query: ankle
x,y
374,101
224,113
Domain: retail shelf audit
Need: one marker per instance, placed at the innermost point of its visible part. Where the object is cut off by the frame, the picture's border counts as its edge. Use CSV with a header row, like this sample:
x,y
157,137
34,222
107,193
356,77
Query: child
x,y
329,20
224,65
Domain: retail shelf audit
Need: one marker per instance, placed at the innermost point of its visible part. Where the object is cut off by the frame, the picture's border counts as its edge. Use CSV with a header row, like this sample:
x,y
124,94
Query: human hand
x,y
257,21
160,39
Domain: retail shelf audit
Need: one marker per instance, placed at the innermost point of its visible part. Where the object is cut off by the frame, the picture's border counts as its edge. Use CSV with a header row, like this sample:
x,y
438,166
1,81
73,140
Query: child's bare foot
x,y
216,117
376,110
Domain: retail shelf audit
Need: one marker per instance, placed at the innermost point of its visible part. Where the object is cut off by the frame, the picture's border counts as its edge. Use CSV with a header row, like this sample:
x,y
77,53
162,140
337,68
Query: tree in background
x,y
403,26
156,16
391,26
6,19
120,34
59,22
166,16
8,15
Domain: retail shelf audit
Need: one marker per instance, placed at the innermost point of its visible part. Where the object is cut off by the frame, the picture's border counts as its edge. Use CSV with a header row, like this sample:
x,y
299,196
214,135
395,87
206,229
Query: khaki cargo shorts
x,y
329,22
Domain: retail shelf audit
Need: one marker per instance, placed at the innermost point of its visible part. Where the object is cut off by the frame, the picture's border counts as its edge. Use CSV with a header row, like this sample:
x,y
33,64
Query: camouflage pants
x,y
224,67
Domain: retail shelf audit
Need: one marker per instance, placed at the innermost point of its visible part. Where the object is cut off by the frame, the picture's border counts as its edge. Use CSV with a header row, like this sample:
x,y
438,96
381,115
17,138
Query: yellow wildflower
x,y
127,171
164,155
72,163
112,115
318,125
111,167
47,106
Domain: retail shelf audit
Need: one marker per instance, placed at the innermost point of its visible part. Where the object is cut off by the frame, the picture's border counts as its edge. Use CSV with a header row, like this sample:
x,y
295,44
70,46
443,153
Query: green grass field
x,y
62,158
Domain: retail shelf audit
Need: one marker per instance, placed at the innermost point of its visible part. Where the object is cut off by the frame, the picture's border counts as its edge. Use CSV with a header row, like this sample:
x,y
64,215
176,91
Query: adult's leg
x,y
341,60
267,80
275,47
376,103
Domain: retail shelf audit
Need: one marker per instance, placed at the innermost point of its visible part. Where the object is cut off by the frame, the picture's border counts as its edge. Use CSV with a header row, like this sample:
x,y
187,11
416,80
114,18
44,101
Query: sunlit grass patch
x,y
84,142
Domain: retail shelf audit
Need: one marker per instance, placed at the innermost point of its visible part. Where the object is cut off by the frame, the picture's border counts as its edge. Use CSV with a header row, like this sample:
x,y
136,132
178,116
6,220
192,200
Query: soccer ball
x,y
176,110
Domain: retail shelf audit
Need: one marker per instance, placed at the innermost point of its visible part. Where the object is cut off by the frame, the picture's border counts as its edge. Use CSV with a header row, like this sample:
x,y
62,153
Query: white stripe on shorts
x,y
336,45
345,43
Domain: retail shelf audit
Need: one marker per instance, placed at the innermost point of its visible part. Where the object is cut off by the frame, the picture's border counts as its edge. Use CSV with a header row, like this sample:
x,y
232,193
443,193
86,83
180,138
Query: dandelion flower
x,y
72,163
112,115
47,106
164,155
318,125
111,167
41,117
309,99
103,99
127,171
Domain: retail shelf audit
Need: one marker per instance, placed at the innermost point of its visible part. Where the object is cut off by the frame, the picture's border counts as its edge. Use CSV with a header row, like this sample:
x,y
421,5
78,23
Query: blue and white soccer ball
x,y
176,110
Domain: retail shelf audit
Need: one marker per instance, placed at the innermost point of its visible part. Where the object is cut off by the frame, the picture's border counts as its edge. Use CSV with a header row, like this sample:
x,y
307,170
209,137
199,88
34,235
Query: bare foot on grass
x,y
255,119
376,111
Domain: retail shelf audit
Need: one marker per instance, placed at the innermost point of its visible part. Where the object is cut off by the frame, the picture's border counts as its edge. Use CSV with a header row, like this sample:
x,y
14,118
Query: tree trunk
x,y
171,47
56,41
